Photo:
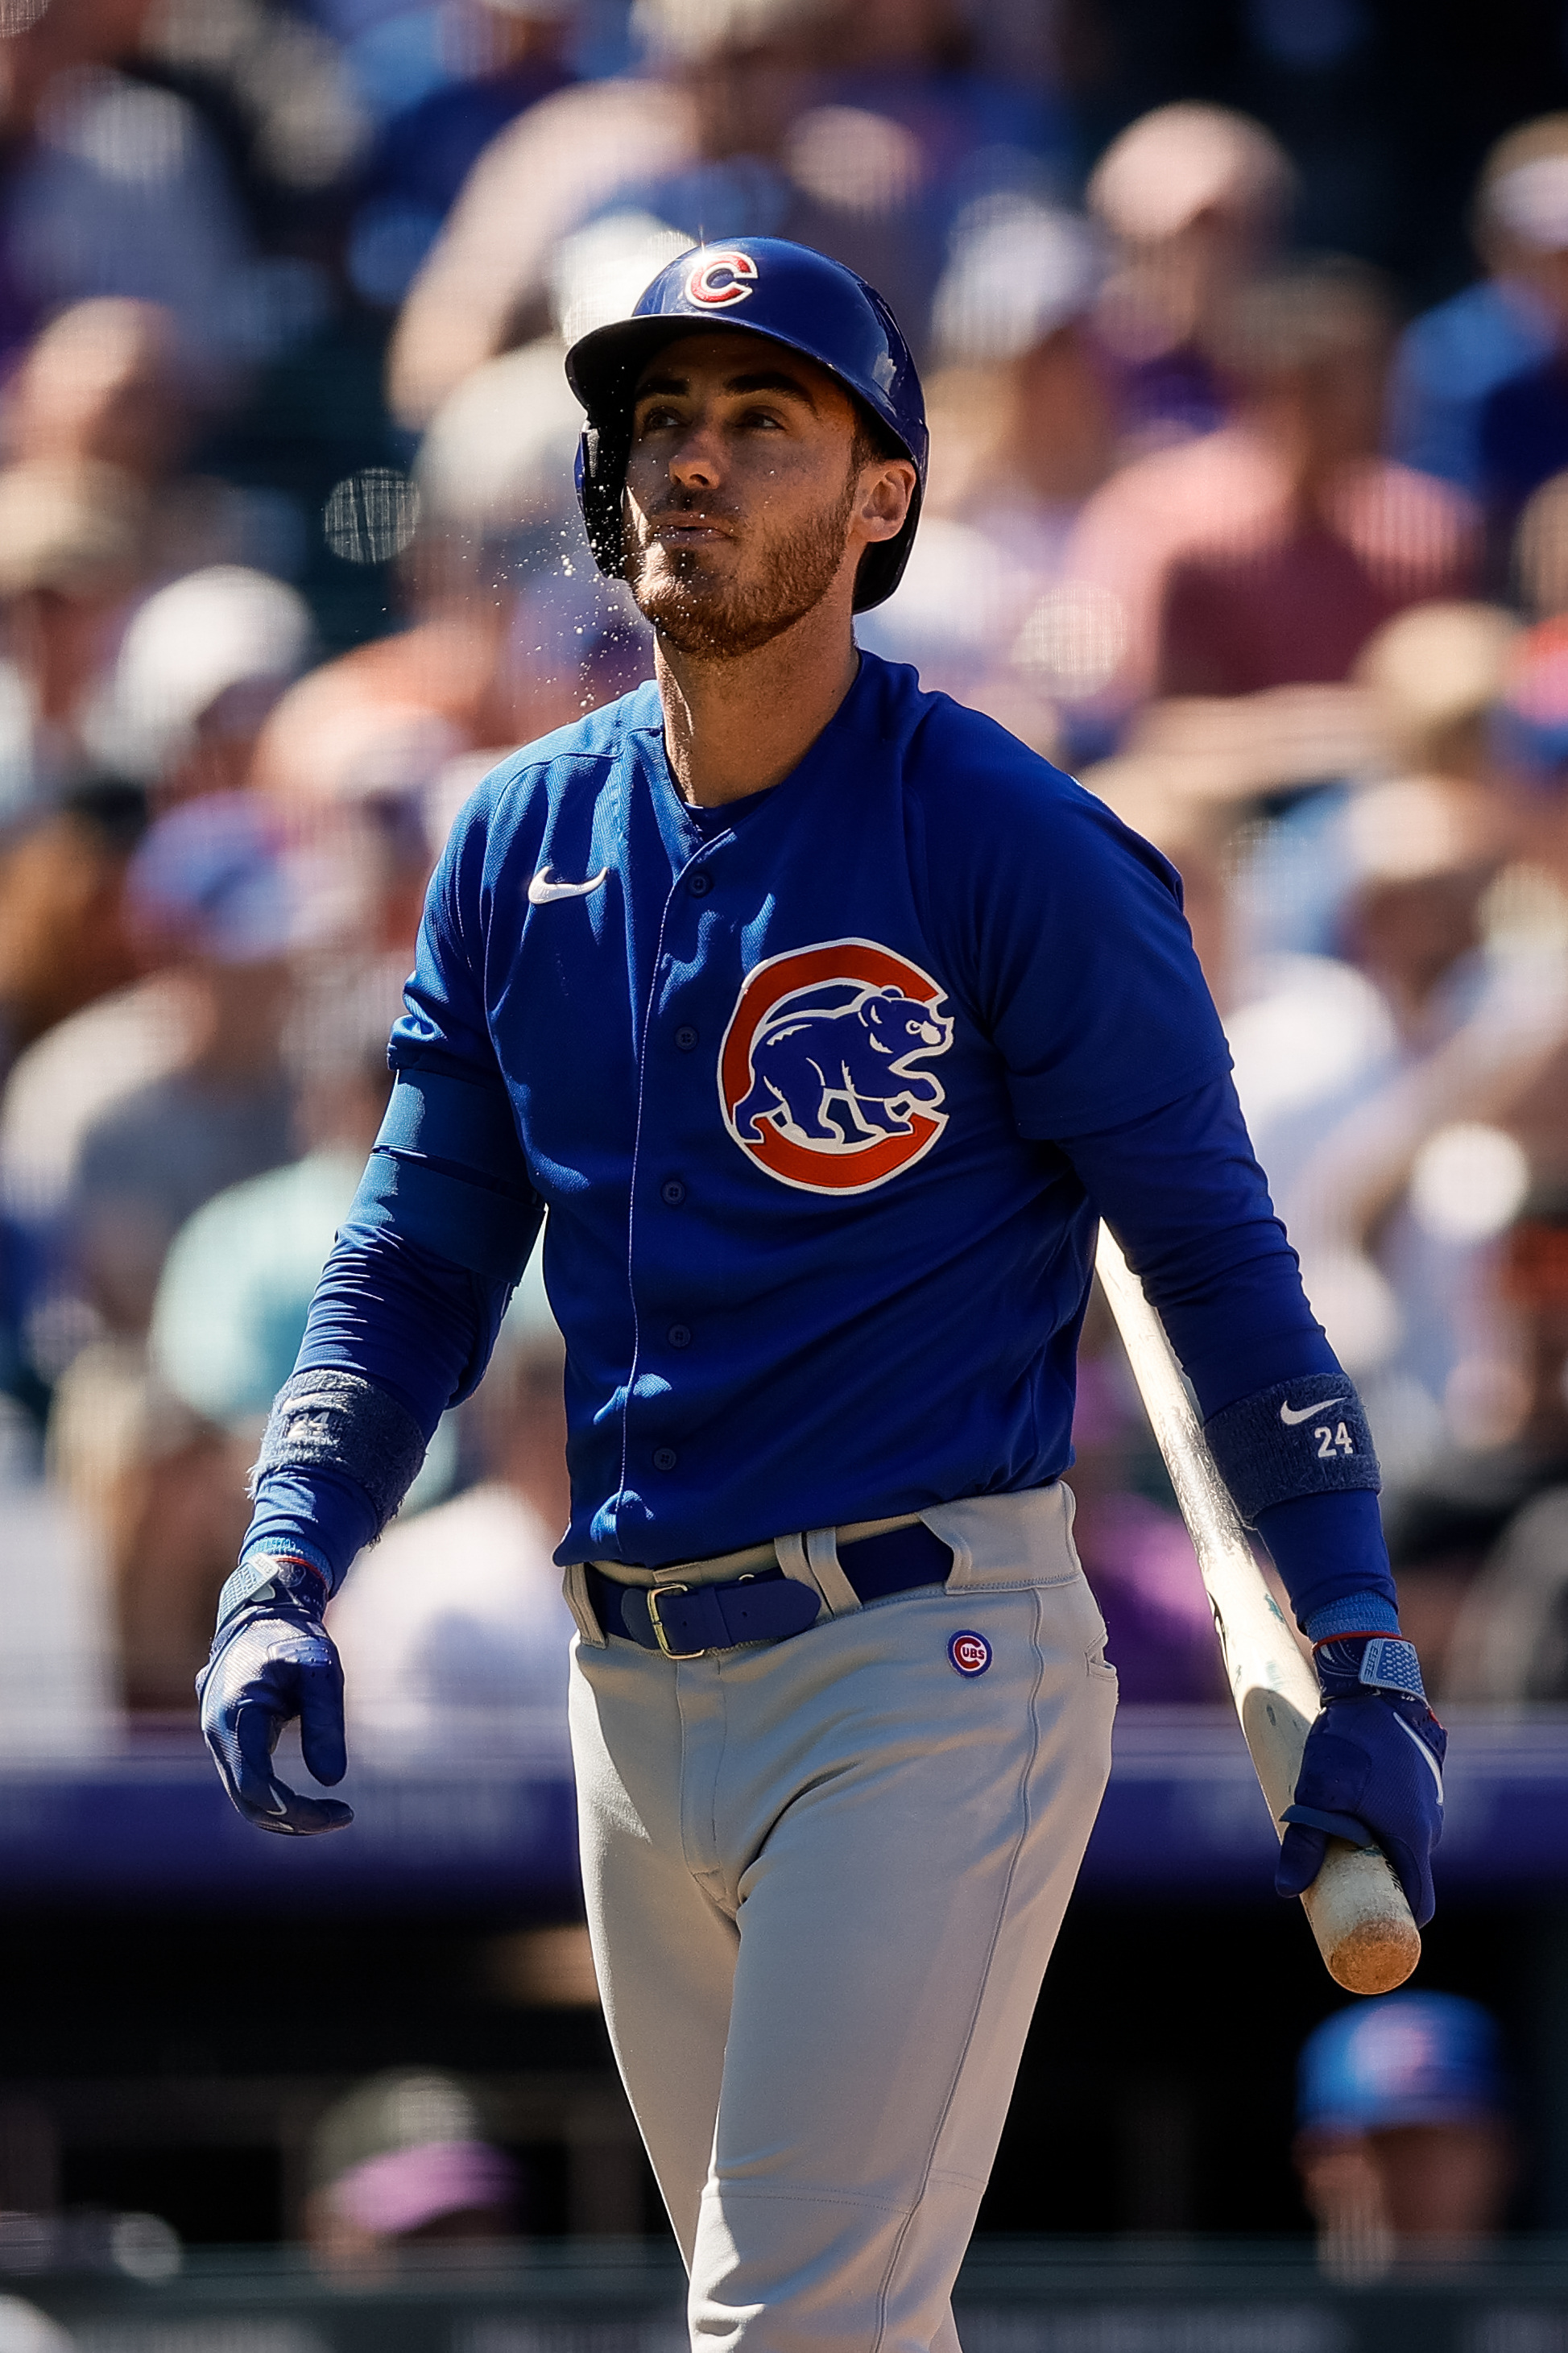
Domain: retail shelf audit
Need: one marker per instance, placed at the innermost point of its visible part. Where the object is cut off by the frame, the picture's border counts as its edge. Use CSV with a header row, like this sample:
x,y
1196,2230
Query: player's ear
x,y
884,498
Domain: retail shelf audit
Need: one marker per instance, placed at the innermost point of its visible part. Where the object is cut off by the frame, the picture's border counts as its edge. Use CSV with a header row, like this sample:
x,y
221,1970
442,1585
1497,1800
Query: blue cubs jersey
x,y
794,1086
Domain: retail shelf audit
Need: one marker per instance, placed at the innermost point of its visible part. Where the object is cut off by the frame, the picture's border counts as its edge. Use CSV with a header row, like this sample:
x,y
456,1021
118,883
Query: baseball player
x,y
817,1019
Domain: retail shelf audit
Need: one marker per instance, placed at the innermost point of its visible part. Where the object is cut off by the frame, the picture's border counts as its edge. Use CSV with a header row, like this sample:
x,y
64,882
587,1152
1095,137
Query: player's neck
x,y
736,725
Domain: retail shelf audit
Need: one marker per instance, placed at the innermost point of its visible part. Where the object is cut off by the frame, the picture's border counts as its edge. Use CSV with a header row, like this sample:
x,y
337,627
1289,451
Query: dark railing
x,y
146,1819
1029,2296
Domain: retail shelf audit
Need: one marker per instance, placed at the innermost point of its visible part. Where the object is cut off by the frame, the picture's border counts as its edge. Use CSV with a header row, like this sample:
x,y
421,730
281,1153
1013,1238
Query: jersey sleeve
x,y
448,1172
444,1023
1069,928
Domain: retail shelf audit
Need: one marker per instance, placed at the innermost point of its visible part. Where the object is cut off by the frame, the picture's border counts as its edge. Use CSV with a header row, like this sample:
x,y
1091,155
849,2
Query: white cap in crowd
x,y
191,644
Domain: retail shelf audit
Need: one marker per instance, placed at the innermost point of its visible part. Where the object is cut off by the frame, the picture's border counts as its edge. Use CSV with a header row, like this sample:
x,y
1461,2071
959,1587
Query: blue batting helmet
x,y
767,287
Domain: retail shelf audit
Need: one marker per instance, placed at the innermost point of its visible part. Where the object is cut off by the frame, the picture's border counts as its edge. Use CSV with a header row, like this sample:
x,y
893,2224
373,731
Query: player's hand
x,y
1371,1770
273,1660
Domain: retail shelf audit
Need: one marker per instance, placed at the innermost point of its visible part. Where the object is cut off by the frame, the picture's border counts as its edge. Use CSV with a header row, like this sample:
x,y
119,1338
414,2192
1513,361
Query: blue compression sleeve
x,y
1183,1192
406,1318
1355,1613
418,1327
408,1305
1326,1548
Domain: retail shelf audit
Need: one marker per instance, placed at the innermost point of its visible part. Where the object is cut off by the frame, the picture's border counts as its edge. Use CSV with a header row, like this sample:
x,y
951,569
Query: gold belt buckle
x,y
659,1636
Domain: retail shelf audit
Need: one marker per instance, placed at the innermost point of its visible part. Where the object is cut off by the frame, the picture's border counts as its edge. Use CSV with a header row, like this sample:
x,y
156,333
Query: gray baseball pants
x,y
824,1878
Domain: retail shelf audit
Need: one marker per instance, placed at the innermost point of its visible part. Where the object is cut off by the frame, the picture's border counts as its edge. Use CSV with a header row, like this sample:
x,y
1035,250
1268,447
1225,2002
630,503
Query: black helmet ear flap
x,y
599,485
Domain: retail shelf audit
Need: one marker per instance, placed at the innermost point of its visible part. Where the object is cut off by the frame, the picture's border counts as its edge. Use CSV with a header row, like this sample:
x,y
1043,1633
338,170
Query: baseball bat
x,y
1356,1906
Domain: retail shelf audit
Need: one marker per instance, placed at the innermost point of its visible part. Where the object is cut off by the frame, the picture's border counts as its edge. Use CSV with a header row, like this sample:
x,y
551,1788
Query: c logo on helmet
x,y
721,280
817,1076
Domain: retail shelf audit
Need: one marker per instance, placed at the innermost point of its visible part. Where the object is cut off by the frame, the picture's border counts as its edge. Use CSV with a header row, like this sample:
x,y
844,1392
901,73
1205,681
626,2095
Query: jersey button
x,y
679,1335
664,1458
701,884
671,1192
685,1037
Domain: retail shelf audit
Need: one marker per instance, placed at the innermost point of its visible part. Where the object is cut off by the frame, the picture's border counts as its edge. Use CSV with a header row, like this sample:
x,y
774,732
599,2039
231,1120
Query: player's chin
x,y
697,614
695,573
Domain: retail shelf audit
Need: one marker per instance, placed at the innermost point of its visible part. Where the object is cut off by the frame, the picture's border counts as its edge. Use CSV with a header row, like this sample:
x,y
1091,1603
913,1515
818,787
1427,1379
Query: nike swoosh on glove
x,y
1371,1770
273,1660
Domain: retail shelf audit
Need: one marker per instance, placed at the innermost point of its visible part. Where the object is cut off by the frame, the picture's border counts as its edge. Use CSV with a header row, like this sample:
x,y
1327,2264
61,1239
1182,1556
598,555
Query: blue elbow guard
x,y
1306,1437
340,1421
446,1172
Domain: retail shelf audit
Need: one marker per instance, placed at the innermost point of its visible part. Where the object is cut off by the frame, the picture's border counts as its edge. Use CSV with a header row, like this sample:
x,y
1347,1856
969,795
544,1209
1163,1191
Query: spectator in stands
x,y
1509,1638
1332,541
200,667
111,382
1522,419
1025,428
231,1303
1195,199
103,380
502,533
210,891
1404,2143
514,630
212,899
453,1632
512,53
1540,567
732,85
1436,675
73,552
858,129
159,1495
1454,356
116,188
403,2167
58,1678
63,938
1266,554
741,122
986,125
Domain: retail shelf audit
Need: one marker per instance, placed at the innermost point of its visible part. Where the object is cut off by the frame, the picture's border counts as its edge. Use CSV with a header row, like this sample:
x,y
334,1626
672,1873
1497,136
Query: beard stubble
x,y
721,620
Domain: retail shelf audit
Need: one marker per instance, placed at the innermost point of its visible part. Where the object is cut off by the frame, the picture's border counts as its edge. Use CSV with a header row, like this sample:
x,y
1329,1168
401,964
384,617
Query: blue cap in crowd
x,y
1408,2058
212,877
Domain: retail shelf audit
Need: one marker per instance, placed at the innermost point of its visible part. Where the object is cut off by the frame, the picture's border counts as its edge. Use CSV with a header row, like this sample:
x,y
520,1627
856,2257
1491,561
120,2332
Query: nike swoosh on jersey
x,y
541,891
1289,1417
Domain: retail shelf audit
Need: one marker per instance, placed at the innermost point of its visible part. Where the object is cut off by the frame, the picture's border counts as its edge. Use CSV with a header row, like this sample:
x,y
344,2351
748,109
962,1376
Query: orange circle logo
x,y
818,1073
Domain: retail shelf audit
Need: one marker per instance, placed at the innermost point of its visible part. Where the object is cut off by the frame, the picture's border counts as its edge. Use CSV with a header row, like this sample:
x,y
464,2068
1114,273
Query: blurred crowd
x,y
290,555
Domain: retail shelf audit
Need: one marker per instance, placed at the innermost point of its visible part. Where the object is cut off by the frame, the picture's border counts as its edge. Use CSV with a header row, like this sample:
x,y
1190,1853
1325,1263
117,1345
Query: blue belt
x,y
685,1620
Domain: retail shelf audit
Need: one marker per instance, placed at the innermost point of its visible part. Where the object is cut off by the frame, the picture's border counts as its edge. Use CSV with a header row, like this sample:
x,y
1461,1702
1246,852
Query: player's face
x,y
747,501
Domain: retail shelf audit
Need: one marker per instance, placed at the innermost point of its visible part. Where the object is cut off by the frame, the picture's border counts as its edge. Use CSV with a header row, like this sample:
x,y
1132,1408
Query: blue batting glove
x,y
272,1659
1371,1770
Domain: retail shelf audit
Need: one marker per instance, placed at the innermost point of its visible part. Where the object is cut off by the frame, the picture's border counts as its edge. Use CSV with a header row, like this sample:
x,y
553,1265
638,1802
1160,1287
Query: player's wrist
x,y
271,1580
1369,1666
1367,1611
1359,1650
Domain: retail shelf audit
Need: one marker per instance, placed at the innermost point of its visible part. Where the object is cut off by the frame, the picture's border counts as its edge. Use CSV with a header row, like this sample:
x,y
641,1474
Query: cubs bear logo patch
x,y
817,1072
970,1652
